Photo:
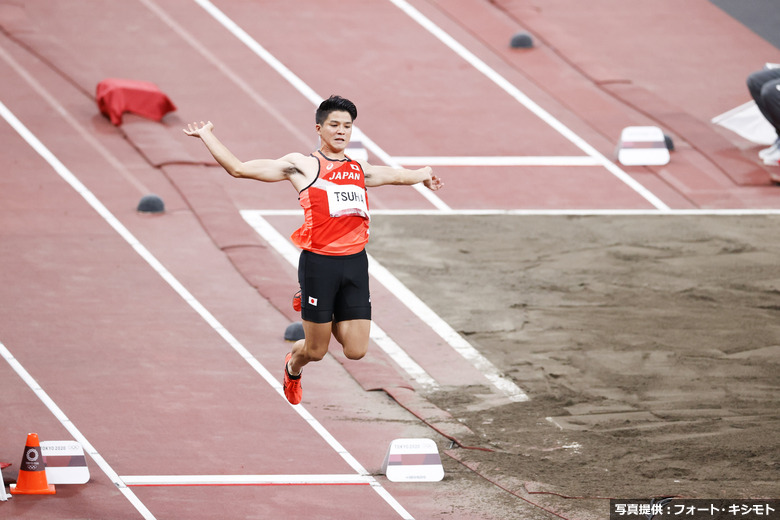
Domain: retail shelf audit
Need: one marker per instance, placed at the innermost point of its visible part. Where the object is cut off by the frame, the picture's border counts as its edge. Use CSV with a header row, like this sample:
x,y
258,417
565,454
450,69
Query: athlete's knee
x,y
355,350
314,346
316,356
355,355
315,352
354,337
310,349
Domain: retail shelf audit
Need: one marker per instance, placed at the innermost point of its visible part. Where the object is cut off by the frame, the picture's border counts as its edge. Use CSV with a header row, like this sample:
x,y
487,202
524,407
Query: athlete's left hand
x,y
433,183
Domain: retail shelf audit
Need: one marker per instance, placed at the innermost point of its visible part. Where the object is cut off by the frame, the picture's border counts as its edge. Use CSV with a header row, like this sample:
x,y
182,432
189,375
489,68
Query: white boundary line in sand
x,y
412,302
182,291
734,212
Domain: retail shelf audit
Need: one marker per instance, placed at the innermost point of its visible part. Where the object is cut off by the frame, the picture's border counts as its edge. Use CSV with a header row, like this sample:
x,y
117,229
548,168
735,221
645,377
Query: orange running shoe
x,y
292,384
297,301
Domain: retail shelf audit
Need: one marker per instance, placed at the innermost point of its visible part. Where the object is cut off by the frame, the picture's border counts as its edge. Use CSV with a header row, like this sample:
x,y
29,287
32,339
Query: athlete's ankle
x,y
291,373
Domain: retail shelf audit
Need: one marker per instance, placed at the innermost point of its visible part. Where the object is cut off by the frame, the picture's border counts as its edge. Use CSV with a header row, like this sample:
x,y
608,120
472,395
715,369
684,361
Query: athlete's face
x,y
336,131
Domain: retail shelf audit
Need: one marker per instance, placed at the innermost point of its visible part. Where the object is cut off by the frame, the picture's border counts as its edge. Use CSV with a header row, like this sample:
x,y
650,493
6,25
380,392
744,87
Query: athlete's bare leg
x,y
312,347
352,334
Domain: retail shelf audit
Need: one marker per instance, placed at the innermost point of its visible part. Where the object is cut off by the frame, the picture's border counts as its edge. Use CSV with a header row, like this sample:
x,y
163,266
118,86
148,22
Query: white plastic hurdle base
x,y
642,146
413,460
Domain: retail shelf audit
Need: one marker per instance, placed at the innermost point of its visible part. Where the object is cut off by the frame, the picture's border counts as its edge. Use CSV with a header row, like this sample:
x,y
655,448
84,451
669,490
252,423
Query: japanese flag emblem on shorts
x,y
312,301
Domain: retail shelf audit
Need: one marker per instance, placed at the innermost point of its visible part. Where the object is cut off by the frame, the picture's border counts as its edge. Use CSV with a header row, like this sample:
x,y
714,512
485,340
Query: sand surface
x,y
649,347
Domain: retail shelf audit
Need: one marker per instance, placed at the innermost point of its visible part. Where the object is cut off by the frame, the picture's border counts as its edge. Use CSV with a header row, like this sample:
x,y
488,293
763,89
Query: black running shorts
x,y
334,288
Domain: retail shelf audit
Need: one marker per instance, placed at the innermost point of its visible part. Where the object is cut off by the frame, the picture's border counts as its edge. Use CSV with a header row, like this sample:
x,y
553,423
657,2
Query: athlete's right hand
x,y
195,130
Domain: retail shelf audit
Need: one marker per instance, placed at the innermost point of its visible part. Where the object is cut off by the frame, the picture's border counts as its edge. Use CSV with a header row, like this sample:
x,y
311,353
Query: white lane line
x,y
246,480
527,102
228,72
209,318
380,337
115,163
306,90
519,160
77,435
408,298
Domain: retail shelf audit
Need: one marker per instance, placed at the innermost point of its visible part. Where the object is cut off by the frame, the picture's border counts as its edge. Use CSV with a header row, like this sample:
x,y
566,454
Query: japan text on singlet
x,y
335,208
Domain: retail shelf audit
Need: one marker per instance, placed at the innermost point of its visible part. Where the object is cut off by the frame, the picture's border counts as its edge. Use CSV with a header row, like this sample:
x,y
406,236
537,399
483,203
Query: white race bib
x,y
347,200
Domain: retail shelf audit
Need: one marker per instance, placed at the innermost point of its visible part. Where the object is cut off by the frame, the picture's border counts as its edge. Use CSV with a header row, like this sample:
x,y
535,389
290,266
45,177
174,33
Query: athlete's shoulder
x,y
295,156
306,164
368,169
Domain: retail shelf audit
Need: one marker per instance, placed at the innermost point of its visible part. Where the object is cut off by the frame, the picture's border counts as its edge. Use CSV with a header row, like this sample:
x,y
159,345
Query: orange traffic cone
x,y
32,474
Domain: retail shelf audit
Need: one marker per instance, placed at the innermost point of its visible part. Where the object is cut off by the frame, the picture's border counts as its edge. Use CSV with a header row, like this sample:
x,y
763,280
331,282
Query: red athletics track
x,y
154,388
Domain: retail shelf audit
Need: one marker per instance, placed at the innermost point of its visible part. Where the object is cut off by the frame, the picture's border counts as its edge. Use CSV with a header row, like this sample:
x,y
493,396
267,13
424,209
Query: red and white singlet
x,y
335,208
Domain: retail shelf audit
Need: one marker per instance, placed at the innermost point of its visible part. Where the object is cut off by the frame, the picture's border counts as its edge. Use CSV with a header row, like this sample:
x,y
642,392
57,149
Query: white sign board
x,y
65,462
642,146
413,460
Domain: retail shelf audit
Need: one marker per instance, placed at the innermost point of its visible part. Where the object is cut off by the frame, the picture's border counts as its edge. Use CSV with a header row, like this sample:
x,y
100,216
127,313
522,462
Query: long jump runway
x,y
156,341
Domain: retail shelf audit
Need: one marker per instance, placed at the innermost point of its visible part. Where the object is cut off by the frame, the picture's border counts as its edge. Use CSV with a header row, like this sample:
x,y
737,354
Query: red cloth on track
x,y
116,96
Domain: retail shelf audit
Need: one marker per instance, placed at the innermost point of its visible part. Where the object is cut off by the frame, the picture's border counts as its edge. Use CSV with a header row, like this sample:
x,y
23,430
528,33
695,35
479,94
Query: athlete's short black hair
x,y
332,104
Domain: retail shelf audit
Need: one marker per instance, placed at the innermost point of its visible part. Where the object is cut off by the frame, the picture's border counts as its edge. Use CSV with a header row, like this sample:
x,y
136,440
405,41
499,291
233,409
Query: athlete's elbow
x,y
237,170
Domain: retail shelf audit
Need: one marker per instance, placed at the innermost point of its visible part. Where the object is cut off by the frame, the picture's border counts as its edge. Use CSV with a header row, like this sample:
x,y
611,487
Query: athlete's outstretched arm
x,y
267,170
383,175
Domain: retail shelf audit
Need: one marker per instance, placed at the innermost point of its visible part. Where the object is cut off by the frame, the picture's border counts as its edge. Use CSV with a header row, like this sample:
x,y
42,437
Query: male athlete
x,y
333,267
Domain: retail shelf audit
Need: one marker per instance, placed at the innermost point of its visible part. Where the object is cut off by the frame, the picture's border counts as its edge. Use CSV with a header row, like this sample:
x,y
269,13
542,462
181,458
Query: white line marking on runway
x,y
55,105
527,102
306,90
77,435
228,72
246,480
408,298
519,160
209,318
